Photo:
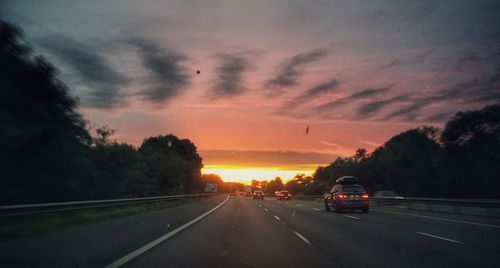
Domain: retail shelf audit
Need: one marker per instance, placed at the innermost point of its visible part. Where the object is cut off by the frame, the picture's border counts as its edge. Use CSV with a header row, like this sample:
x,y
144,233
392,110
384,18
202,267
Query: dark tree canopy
x,y
460,162
41,136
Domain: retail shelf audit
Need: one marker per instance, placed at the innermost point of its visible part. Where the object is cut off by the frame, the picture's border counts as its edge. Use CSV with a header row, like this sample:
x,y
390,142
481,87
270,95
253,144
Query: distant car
x,y
346,194
283,195
248,194
387,197
258,195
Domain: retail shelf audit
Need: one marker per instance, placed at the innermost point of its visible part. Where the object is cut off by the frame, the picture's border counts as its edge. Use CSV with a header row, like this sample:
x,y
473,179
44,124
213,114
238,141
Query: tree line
x,y
460,161
47,151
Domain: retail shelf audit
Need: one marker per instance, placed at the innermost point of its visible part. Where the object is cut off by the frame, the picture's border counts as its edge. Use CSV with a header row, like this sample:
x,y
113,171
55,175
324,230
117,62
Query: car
x,y
387,197
347,194
248,194
282,195
258,195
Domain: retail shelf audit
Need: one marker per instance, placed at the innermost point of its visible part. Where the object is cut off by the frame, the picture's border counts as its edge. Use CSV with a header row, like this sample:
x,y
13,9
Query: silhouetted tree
x,y
174,164
41,136
471,158
275,185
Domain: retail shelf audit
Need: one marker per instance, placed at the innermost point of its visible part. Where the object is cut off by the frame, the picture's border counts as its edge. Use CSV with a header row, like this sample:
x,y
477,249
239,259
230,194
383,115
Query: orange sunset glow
x,y
246,174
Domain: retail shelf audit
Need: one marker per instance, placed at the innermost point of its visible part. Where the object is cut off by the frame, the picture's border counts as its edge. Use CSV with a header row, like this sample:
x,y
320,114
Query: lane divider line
x,y
437,218
317,209
352,217
439,237
276,217
298,205
266,209
302,237
134,254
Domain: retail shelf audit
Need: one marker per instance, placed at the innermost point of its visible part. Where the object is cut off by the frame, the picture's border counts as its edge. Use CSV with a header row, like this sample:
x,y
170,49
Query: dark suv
x,y
346,194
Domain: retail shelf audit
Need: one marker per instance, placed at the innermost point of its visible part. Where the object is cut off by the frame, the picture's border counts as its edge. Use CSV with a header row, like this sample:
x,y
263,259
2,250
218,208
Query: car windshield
x,y
249,133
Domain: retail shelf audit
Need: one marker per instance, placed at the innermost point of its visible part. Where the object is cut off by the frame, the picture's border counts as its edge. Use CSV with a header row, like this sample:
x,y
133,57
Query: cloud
x,y
93,70
353,97
318,90
337,149
167,74
310,94
440,117
230,69
409,112
418,58
292,69
265,158
373,108
371,143
483,89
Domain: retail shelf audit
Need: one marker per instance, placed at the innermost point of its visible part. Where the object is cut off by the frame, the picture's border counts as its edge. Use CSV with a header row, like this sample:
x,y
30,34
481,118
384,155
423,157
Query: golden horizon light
x,y
245,174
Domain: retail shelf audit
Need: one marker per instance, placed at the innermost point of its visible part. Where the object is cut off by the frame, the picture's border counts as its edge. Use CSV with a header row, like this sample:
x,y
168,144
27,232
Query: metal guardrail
x,y
485,203
478,207
43,208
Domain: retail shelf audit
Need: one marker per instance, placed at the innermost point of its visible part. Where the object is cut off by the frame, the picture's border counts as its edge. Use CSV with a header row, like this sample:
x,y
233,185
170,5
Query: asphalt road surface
x,y
240,232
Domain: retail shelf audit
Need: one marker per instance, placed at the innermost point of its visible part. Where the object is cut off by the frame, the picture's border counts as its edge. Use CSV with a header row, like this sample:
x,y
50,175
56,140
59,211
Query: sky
x,y
355,72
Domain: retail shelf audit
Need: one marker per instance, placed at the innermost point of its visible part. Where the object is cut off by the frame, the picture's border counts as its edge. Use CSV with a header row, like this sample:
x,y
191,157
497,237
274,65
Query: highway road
x,y
240,232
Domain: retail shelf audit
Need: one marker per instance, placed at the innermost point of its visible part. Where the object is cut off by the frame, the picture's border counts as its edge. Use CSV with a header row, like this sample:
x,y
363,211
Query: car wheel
x,y
337,208
327,207
365,210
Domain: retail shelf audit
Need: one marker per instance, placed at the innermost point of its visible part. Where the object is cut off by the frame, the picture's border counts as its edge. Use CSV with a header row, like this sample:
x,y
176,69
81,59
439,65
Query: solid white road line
x,y
302,237
317,209
298,205
134,254
439,237
352,217
266,209
439,219
276,217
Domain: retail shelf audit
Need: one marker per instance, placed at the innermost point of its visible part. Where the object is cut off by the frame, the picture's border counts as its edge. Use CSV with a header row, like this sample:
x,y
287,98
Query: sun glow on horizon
x,y
245,174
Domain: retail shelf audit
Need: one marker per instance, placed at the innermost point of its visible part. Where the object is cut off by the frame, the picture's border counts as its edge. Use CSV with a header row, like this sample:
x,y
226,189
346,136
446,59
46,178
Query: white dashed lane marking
x,y
302,237
440,237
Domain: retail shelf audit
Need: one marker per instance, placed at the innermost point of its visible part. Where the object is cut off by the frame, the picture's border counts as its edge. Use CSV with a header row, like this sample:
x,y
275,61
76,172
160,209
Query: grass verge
x,y
16,226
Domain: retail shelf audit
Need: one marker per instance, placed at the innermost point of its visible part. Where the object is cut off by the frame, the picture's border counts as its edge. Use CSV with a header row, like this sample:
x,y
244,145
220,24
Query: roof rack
x,y
347,180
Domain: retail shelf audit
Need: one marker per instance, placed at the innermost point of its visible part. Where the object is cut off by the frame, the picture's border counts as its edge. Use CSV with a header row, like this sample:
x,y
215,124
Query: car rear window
x,y
355,189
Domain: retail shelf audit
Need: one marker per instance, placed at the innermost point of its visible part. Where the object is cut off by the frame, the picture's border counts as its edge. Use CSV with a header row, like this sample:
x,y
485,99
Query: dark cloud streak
x,y
230,70
353,97
373,108
292,69
310,94
92,68
168,75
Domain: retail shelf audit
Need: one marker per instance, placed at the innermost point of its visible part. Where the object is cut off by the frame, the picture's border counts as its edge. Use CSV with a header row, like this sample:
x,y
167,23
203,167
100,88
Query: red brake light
x,y
365,196
342,196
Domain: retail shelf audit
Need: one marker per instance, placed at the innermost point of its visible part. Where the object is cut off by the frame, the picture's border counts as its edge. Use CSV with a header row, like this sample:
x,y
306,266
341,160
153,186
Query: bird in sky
x,y
307,130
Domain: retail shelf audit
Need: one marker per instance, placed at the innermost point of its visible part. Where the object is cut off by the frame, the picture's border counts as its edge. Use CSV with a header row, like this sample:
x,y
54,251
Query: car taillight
x,y
342,196
365,196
